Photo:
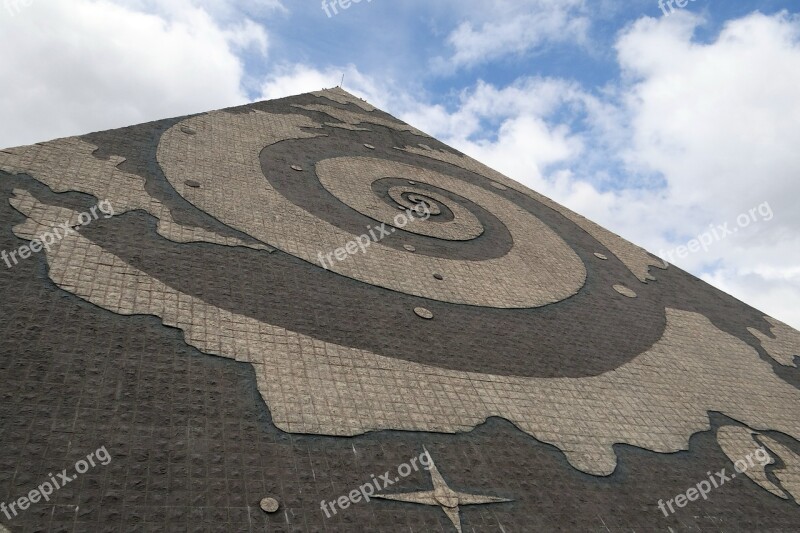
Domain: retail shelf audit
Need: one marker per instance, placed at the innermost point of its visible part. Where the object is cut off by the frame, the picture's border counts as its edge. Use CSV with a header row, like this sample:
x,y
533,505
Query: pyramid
x,y
307,315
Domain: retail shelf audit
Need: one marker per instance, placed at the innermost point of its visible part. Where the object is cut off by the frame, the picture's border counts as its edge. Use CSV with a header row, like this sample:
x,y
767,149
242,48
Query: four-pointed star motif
x,y
442,496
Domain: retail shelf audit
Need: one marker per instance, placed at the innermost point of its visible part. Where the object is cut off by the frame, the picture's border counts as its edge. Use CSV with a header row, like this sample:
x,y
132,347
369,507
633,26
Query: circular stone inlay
x,y
369,146
423,313
297,168
193,184
409,248
188,131
601,256
438,276
269,505
625,291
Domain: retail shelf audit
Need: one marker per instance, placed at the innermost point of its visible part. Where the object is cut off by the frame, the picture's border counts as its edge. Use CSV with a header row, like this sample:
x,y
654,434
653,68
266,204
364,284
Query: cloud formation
x,y
79,66
512,28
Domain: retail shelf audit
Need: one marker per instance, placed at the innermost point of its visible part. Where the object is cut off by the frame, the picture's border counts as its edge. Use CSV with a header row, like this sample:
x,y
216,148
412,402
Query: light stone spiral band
x,y
463,227
540,269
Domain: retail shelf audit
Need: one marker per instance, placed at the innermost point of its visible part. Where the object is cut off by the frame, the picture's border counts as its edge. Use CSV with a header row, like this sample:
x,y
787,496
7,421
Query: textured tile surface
x,y
196,335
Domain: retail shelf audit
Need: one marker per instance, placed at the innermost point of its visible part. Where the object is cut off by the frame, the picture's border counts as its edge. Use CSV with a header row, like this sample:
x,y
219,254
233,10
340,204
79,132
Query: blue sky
x,y
419,33
661,128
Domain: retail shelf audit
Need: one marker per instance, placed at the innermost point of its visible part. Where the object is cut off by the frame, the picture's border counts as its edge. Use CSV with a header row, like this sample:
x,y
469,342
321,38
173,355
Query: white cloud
x,y
719,121
724,114
75,66
525,144
513,27
247,35
223,11
778,298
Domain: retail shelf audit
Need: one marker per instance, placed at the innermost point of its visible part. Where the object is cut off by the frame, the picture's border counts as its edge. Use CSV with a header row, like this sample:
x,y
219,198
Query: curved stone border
x,y
635,258
625,291
350,182
785,345
355,119
737,442
540,269
789,475
68,165
656,402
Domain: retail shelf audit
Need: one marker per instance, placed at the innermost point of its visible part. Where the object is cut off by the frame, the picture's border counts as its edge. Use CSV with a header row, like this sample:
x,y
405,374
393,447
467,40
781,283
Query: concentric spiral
x,y
338,177
485,258
405,197
429,204
539,269
531,274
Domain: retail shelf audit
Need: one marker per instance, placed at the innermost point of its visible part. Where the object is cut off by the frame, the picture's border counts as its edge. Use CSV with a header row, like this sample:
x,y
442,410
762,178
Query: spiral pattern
x,y
531,274
428,204
485,258
351,180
